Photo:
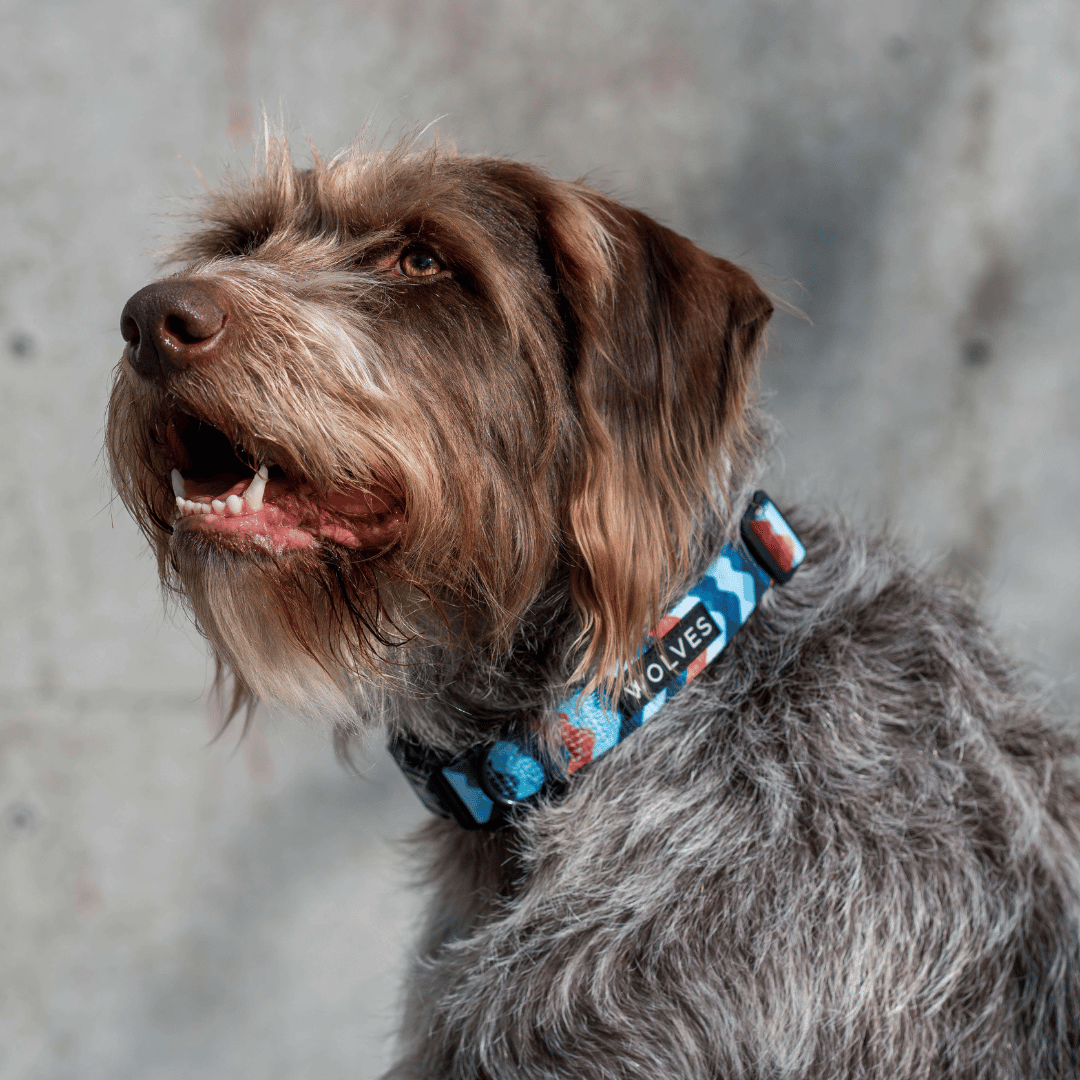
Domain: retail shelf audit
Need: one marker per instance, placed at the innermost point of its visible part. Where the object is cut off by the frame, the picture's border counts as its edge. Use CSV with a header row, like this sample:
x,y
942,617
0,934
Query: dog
x,y
428,443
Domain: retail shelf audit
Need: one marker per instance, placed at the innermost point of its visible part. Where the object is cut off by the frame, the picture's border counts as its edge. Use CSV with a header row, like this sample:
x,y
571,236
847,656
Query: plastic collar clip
x,y
483,787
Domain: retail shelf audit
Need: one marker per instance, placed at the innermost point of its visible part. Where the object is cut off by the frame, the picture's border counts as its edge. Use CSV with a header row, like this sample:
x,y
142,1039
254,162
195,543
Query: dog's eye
x,y
418,263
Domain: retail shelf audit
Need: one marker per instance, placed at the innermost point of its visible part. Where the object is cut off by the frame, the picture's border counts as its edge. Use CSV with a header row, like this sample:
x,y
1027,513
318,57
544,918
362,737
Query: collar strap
x,y
482,787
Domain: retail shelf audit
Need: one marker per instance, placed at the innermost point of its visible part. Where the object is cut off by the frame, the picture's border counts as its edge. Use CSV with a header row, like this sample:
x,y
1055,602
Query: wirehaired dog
x,y
430,442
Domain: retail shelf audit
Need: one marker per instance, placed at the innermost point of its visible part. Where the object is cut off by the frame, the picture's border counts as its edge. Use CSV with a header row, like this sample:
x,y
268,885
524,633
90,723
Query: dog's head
x,y
462,382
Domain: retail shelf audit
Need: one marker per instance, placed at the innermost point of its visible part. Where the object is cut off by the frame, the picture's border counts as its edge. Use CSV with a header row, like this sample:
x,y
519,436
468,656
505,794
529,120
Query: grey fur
x,y
849,849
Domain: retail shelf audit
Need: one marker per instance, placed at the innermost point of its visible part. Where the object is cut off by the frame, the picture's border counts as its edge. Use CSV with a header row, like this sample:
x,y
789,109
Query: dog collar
x,y
482,787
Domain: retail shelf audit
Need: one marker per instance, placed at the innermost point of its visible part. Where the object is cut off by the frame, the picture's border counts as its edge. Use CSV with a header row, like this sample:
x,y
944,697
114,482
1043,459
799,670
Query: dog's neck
x,y
483,786
448,688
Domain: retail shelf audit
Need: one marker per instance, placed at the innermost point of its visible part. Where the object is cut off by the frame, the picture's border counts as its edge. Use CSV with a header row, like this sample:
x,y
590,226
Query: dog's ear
x,y
663,347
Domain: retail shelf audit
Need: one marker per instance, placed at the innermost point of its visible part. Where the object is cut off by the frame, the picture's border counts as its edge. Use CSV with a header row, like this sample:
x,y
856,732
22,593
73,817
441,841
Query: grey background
x,y
171,909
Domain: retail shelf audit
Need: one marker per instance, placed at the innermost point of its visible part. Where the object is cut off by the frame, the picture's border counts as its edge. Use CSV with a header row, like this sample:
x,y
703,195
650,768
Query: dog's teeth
x,y
235,504
180,503
178,484
218,505
253,496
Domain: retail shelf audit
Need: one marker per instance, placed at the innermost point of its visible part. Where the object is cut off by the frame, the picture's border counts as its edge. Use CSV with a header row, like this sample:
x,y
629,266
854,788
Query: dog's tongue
x,y
281,516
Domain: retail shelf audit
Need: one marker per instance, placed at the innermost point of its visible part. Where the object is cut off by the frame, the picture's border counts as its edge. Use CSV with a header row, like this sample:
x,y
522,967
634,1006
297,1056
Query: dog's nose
x,y
170,325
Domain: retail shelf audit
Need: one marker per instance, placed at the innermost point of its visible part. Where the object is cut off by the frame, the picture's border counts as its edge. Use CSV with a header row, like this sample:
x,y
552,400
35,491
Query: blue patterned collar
x,y
482,787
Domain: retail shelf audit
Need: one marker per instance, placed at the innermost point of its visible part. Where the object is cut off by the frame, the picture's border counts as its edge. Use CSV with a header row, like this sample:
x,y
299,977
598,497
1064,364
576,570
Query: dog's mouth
x,y
247,499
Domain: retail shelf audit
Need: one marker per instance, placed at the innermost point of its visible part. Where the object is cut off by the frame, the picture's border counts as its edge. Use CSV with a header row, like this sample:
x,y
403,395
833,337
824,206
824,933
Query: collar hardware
x,y
483,787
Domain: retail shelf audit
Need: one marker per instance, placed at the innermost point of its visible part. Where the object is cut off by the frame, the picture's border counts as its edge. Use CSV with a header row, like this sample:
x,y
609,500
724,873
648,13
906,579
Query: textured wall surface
x,y
176,910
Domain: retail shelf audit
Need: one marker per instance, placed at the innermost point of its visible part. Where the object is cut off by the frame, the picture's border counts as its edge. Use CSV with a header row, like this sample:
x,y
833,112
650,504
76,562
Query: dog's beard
x,y
301,630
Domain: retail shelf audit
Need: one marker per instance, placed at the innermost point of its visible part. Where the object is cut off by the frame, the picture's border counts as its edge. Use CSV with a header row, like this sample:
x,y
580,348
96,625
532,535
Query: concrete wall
x,y
176,910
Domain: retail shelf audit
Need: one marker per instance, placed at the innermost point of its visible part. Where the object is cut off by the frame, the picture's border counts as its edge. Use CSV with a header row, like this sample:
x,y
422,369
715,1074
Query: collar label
x,y
669,657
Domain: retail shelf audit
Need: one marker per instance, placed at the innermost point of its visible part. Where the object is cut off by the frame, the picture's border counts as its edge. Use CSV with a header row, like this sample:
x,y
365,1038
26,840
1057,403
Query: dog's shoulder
x,y
888,668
